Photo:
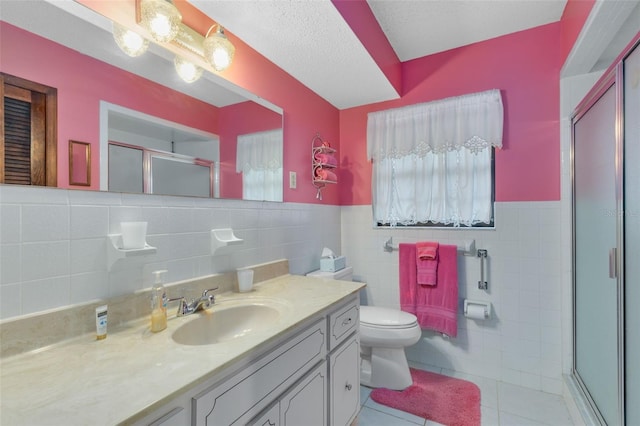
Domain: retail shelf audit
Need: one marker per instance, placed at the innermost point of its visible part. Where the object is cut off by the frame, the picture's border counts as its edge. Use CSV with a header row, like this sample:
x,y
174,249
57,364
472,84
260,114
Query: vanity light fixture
x,y
130,42
161,18
187,70
218,50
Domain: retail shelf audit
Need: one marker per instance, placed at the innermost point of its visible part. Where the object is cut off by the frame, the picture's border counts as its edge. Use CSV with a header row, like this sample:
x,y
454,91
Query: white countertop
x,y
133,372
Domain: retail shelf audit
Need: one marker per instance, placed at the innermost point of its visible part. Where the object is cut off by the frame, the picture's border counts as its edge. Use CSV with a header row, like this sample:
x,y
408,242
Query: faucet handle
x,y
182,306
211,297
204,293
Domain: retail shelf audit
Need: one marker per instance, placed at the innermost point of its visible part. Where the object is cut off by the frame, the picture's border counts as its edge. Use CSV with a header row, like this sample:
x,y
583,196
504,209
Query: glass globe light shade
x,y
161,18
130,42
188,71
218,50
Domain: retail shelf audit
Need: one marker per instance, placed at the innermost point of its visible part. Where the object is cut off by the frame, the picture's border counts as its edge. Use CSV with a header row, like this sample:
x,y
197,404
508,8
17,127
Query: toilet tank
x,y
345,274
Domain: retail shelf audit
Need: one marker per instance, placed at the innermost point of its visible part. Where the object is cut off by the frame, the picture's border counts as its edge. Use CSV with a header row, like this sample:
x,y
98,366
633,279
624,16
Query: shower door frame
x,y
613,77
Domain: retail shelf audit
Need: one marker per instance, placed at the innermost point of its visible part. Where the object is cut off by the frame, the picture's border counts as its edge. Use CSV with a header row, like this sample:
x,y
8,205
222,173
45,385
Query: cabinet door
x,y
306,403
270,417
247,393
344,382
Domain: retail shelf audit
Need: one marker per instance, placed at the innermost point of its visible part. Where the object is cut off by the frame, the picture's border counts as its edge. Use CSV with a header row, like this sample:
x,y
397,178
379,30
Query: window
x,y
28,145
259,159
433,162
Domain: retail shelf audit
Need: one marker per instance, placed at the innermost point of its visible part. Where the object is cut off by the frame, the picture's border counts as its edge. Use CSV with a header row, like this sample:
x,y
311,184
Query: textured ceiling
x,y
313,42
420,28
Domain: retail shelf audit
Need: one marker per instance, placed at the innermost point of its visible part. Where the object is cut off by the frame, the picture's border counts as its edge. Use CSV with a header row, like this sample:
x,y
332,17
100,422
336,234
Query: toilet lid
x,y
386,317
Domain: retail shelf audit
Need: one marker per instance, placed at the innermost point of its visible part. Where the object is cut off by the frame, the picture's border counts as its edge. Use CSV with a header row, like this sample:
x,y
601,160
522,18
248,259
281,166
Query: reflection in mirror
x,y
79,163
229,111
154,156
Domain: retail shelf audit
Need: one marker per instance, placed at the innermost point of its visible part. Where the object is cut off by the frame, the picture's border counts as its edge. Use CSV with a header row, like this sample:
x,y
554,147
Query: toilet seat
x,y
385,318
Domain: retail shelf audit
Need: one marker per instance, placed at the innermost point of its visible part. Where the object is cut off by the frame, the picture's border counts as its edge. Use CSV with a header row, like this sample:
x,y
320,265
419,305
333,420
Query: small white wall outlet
x,y
292,180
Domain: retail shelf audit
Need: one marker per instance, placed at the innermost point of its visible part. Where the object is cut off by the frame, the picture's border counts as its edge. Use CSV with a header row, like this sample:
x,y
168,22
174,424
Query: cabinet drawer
x,y
343,322
244,395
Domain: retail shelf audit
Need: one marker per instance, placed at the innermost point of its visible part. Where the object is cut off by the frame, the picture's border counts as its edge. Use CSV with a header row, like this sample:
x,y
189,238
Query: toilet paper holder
x,y
477,309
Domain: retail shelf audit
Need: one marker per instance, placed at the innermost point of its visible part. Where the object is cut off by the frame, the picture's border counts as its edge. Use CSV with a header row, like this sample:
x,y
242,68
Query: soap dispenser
x,y
158,302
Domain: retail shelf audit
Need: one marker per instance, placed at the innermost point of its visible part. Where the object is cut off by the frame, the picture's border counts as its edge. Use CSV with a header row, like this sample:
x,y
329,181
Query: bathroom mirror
x,y
225,111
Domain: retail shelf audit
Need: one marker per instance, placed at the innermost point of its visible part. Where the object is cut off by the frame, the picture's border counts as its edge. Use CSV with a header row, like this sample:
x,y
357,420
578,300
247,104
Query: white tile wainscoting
x,y
53,254
53,242
522,343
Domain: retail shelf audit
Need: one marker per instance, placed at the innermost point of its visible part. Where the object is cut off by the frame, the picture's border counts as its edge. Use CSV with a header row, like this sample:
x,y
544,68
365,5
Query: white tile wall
x,y
53,242
522,343
53,253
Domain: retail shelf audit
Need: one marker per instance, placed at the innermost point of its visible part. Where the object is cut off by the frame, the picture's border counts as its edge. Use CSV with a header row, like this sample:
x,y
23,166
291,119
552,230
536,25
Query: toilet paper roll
x,y
475,312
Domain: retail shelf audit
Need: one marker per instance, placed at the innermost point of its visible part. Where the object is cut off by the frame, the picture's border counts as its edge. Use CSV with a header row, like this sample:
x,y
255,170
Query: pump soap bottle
x,y
158,303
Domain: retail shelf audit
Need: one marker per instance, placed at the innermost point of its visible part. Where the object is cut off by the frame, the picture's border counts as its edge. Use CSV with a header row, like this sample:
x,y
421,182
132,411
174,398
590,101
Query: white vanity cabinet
x,y
310,377
245,394
344,364
304,404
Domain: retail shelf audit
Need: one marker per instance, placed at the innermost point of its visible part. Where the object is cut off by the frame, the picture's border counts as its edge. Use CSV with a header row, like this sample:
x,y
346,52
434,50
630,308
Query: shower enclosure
x,y
606,243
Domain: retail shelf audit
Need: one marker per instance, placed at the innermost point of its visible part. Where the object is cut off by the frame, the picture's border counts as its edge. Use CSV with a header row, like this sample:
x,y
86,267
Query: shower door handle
x,y
613,263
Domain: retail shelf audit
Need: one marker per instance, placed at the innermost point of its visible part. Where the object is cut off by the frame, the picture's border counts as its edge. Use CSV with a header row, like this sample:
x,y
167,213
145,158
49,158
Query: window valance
x,y
473,121
259,151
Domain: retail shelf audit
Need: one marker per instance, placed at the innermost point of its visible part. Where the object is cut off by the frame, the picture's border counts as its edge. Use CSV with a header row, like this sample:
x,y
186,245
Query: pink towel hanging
x,y
427,262
436,307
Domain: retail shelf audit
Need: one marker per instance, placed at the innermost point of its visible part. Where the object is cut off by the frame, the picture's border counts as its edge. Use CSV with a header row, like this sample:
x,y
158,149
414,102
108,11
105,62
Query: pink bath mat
x,y
452,402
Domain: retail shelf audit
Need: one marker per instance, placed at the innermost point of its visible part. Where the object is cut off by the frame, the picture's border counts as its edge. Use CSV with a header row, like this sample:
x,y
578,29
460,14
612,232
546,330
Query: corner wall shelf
x,y
223,237
323,161
115,252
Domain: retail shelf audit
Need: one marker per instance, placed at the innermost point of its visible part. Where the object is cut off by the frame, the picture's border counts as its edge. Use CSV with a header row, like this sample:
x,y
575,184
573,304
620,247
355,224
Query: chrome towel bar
x,y
468,250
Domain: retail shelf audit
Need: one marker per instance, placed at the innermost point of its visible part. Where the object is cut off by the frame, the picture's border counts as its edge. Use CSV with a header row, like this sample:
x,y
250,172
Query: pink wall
x,y
234,122
75,76
82,82
305,114
525,67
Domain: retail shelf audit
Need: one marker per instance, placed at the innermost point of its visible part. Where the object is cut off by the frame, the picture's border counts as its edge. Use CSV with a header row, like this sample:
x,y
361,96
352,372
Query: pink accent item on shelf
x,y
442,399
427,262
327,159
324,174
436,307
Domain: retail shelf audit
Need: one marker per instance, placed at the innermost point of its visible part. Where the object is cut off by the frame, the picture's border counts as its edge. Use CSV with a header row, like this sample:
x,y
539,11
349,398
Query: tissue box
x,y
332,264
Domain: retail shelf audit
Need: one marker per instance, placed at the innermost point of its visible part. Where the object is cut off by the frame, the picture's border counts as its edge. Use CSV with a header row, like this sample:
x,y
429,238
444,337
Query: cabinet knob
x,y
346,321
348,386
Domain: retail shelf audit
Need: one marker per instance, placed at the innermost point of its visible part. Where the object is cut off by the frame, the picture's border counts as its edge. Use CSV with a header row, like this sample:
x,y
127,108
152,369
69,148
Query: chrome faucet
x,y
203,302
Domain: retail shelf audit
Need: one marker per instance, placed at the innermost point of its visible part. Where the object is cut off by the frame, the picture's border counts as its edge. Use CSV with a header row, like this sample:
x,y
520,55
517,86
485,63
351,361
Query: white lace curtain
x,y
259,151
432,161
259,159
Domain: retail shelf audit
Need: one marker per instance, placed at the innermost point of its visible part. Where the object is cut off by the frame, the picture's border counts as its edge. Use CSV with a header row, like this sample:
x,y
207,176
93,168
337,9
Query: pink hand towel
x,y
427,250
324,174
427,263
407,277
327,159
437,306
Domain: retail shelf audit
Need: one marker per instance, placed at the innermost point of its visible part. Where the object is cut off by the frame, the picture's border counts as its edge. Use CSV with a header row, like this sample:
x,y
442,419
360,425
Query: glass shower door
x,y
632,235
595,242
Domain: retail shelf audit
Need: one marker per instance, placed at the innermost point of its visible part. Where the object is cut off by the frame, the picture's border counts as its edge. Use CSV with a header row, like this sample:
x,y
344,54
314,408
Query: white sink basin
x,y
225,323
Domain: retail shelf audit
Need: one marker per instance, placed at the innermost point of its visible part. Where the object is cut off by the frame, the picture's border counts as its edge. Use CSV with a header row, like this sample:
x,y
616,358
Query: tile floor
x,y
502,404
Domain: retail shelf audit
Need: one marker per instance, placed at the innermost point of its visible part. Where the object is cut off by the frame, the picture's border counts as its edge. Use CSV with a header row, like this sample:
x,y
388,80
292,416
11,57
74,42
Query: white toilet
x,y
384,333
